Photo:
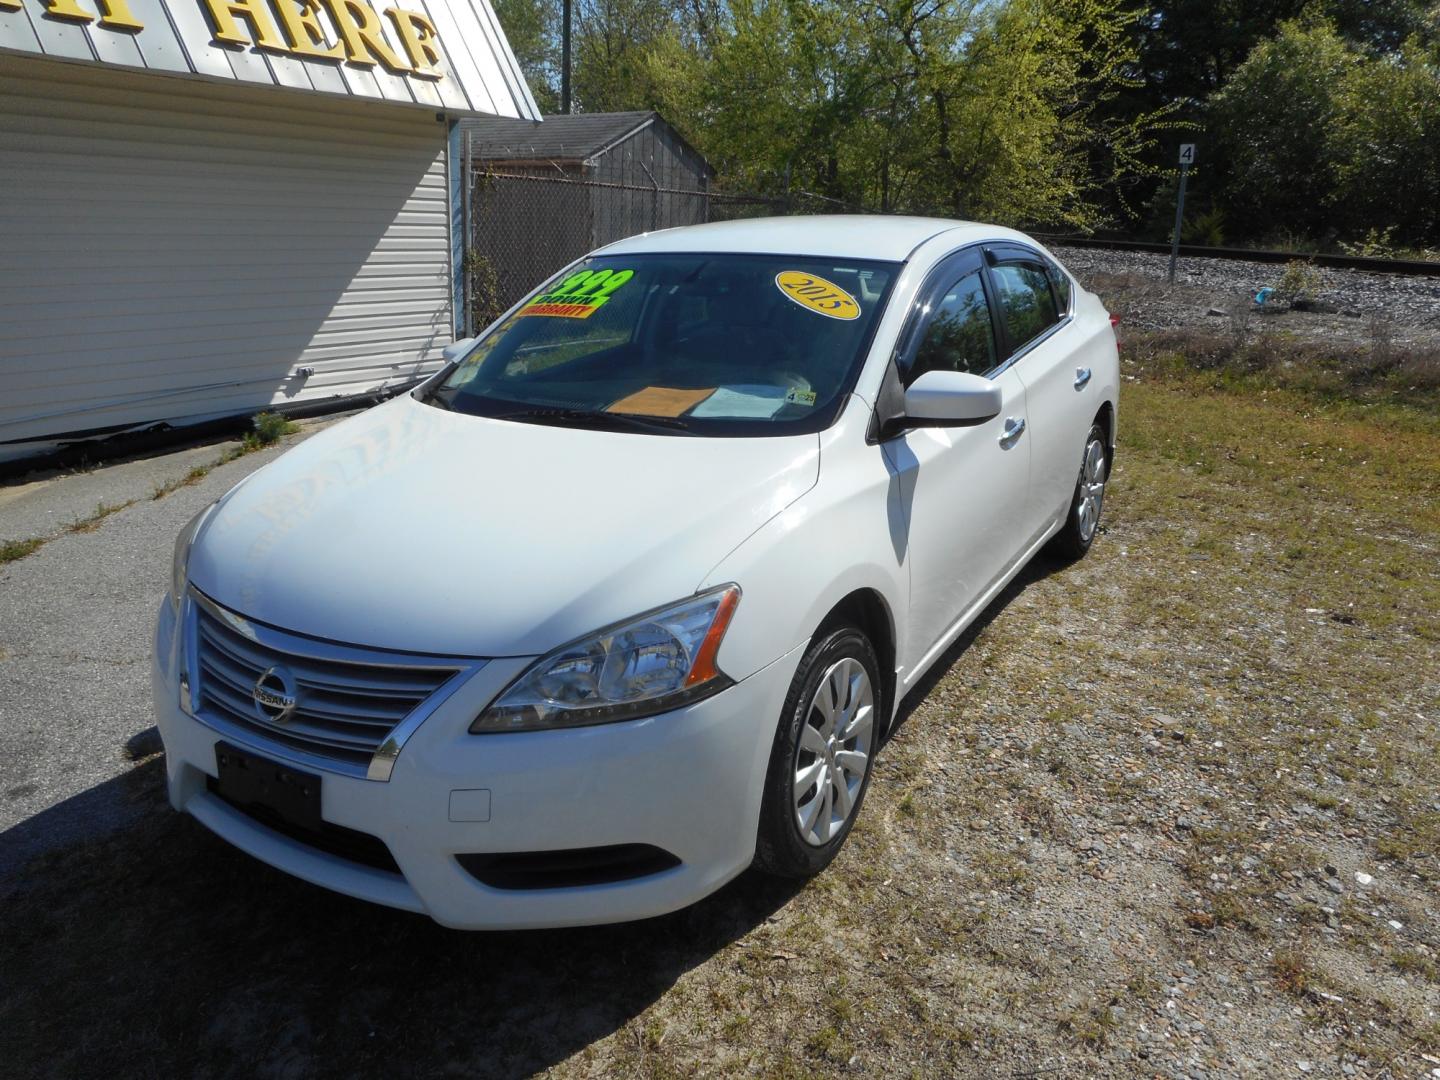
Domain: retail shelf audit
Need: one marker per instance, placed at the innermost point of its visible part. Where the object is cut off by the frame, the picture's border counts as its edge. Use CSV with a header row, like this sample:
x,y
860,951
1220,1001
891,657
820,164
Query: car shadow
x,y
157,949
1037,569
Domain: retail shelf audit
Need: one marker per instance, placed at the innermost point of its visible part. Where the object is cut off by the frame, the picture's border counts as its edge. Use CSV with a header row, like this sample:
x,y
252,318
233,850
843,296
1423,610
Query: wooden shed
x,y
546,193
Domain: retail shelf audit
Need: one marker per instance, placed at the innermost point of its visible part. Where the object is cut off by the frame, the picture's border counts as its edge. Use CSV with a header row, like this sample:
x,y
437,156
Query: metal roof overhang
x,y
447,55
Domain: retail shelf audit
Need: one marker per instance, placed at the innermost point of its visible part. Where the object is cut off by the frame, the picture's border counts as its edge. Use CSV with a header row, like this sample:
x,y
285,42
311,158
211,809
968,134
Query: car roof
x,y
846,236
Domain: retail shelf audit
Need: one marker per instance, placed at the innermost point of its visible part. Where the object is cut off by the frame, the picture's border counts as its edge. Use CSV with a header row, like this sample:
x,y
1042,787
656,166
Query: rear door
x,y
1033,299
965,487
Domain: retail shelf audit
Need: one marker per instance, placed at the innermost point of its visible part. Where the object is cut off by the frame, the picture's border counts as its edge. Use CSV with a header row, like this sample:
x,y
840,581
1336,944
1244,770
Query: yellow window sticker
x,y
817,294
796,396
579,296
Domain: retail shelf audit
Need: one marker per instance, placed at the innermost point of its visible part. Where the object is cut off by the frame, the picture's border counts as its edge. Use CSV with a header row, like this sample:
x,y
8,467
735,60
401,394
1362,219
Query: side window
x,y
1060,282
1026,303
959,336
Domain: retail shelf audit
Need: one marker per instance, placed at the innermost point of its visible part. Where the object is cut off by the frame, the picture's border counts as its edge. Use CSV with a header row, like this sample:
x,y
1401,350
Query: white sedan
x,y
623,600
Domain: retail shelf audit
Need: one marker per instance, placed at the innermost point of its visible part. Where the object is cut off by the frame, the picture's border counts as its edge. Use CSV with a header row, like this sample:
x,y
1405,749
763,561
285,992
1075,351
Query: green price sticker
x,y
580,295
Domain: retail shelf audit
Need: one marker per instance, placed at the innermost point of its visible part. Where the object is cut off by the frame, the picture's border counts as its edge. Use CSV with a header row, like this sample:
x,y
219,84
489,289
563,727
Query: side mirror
x,y
951,398
458,349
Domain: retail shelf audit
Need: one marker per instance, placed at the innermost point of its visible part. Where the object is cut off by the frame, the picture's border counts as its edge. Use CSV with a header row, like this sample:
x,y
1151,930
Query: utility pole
x,y
1187,158
565,59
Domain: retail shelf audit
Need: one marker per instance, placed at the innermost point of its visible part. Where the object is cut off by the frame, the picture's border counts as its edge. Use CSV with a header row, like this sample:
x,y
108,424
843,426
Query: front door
x,y
964,489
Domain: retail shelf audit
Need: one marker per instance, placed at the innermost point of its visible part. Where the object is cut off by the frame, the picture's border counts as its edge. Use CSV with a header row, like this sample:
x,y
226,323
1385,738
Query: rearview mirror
x,y
946,398
458,349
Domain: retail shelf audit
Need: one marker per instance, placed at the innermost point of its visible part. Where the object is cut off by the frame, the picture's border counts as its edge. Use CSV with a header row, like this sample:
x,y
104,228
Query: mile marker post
x,y
1187,158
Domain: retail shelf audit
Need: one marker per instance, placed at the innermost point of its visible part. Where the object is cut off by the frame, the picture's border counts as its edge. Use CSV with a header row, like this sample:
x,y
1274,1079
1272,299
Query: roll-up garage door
x,y
172,250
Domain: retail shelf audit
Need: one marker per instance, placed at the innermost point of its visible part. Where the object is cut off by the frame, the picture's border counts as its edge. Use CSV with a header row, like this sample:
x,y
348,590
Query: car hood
x,y
408,527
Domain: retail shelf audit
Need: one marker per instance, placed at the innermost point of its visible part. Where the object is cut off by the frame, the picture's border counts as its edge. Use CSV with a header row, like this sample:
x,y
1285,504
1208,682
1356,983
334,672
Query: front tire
x,y
823,756
1082,523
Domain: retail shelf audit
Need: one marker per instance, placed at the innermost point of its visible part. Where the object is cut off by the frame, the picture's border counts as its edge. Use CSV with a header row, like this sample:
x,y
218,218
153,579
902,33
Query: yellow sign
x,y
360,35
817,294
115,14
348,30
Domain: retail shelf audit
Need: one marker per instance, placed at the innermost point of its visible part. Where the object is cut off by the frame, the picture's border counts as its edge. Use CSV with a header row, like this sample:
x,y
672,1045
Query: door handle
x,y
1082,376
1014,428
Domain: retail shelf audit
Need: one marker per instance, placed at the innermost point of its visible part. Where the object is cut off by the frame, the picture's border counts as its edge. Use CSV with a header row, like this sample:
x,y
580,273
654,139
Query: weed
x,y
1091,1024
827,1043
1300,282
269,428
194,476
11,550
1408,962
1291,969
102,511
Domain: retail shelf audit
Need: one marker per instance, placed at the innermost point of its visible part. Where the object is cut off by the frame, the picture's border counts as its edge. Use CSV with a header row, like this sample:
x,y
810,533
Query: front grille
x,y
344,708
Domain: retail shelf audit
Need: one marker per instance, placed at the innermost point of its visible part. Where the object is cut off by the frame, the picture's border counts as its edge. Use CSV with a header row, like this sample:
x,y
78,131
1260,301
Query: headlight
x,y
180,563
651,664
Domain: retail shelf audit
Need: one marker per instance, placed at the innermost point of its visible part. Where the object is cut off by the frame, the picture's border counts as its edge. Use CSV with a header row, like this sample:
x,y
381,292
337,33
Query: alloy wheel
x,y
834,751
1092,489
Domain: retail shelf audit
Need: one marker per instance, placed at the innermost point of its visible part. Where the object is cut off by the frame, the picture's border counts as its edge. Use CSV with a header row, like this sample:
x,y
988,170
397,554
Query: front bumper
x,y
688,782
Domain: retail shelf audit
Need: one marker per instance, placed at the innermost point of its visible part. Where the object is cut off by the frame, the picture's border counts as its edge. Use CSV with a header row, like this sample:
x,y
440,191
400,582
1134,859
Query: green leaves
x,y
1318,136
987,111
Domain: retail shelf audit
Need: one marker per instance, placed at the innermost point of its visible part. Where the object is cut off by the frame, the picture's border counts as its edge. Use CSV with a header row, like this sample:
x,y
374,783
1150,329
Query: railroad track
x,y
1409,267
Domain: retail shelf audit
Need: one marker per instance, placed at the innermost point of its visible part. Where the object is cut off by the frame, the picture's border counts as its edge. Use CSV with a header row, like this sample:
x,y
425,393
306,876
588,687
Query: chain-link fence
x,y
523,227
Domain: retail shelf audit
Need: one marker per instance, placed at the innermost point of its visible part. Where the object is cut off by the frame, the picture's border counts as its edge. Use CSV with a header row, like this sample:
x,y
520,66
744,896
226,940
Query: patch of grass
x,y
827,1044
1409,962
1419,839
194,476
1402,380
269,428
102,511
1090,1025
1290,968
11,550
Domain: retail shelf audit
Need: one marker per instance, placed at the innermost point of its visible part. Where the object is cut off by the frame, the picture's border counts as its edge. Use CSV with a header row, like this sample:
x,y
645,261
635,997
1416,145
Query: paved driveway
x,y
76,619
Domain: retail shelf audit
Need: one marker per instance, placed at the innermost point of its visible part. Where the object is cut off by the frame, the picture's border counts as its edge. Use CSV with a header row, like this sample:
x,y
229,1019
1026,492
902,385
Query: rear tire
x,y
823,756
1082,523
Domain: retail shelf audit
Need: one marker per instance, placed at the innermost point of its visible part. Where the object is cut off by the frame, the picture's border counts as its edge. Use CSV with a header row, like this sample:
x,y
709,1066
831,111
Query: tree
x,y
1273,124
532,27
1386,148
968,108
1318,138
1191,48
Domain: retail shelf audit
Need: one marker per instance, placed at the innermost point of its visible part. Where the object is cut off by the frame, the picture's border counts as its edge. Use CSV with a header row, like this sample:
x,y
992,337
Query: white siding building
x,y
216,206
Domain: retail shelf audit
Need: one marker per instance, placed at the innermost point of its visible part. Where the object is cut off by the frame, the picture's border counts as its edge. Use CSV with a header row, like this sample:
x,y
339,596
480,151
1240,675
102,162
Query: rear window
x,y
1060,282
1026,302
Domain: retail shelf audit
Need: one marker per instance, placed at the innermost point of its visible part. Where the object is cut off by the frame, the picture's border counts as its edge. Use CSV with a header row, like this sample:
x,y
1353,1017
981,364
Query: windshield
x,y
679,343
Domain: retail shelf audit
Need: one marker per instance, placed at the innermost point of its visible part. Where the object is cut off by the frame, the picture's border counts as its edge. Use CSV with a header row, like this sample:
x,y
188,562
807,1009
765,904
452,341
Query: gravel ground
x,y
1405,308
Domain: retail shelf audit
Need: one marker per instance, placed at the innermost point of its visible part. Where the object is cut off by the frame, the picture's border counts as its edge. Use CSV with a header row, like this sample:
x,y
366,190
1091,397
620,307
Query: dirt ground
x,y
1171,811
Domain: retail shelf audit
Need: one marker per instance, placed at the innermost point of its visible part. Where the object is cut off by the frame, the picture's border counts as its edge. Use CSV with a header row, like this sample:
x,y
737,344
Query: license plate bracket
x,y
253,782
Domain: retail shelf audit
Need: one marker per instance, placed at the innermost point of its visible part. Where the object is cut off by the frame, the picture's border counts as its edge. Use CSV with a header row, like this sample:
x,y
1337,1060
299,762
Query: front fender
x,y
846,534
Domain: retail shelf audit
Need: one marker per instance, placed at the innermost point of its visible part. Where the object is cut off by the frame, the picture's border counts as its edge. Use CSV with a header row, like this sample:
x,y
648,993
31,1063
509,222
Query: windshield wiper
x,y
561,417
